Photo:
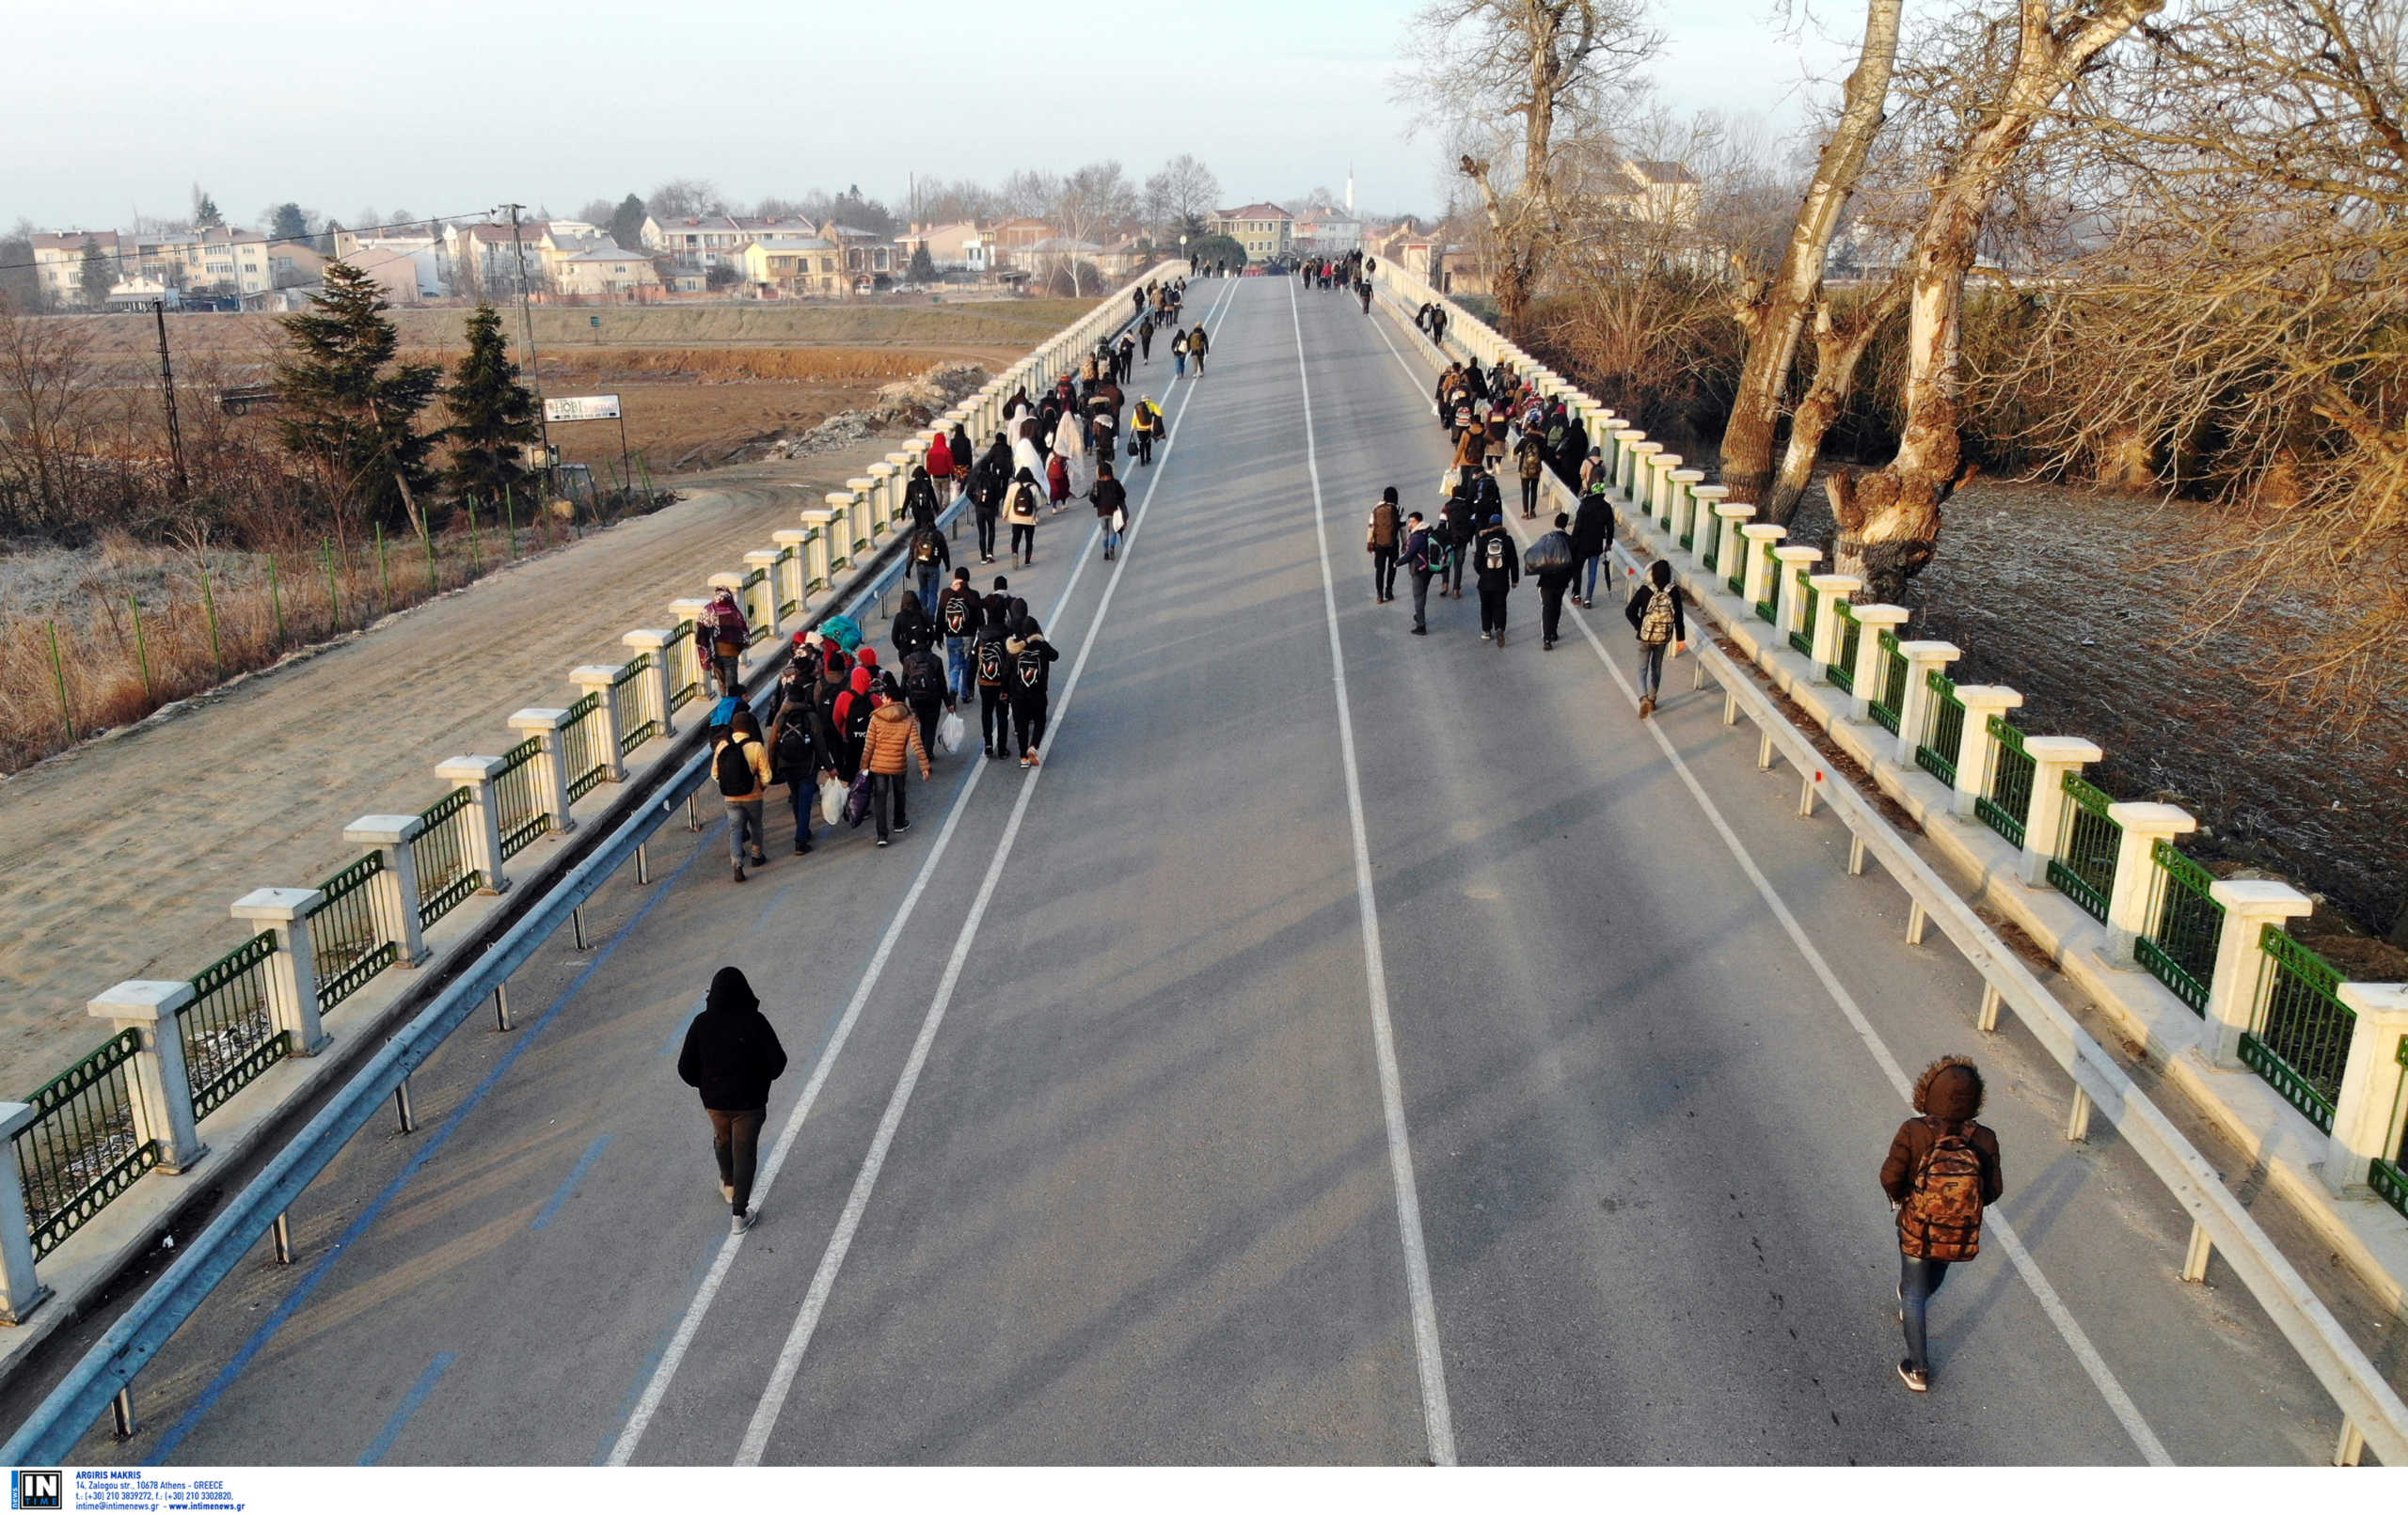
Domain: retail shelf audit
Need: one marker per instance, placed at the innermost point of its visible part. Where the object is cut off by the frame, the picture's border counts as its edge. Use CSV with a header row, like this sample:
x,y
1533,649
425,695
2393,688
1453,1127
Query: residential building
x,y
868,256
295,262
1265,230
217,259
427,250
58,264
1328,231
699,243
396,272
137,292
1012,242
1666,194
788,266
599,268
958,247
486,257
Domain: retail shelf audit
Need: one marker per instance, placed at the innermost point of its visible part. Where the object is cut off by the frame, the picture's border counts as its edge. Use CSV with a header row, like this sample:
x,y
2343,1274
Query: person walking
x,y
1145,423
926,692
1032,658
1943,1172
1498,568
1425,558
1381,547
914,629
1551,562
931,557
740,766
1019,514
1198,345
1146,339
797,758
731,1057
720,636
959,613
1111,509
988,663
992,477
1592,537
1456,524
1179,354
1657,611
1530,454
893,737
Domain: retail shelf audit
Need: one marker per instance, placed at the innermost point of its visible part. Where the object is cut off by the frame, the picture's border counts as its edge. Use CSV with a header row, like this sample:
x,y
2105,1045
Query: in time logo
x,y
37,1488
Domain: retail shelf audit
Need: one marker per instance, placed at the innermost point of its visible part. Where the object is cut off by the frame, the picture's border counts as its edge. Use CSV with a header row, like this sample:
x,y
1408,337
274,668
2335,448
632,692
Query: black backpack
x,y
732,770
923,681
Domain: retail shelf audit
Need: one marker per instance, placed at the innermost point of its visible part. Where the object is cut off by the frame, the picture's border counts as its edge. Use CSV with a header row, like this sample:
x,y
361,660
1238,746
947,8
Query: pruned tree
x,y
349,405
493,414
1511,82
1180,194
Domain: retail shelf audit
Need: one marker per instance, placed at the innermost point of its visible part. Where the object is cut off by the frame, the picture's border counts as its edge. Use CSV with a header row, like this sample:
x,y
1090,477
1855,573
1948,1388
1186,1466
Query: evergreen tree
x,y
627,224
288,223
98,274
924,268
349,404
205,210
493,414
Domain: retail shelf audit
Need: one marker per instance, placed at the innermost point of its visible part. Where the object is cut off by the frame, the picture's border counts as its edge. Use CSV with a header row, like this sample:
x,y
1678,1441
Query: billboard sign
x,y
582,407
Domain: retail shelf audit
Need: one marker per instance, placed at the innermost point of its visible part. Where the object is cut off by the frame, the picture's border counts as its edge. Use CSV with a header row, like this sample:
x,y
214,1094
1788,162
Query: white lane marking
x,y
1435,1414
823,1282
2076,1339
657,1388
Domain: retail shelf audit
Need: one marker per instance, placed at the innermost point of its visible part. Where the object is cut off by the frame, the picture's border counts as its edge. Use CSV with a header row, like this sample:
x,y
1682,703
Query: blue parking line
x,y
677,1033
410,1403
774,901
568,1185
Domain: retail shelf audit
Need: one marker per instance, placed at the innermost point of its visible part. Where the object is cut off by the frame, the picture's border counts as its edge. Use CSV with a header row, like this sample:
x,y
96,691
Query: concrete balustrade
x,y
2145,824
2052,759
1874,620
887,497
1680,500
1755,569
793,578
2370,1109
765,563
1833,590
161,1087
1642,473
1977,747
2250,905
1924,660
552,763
862,490
1626,440
393,893
476,773
1790,594
1660,469
292,970
596,679
1729,516
840,529
22,1290
821,560
657,686
1705,526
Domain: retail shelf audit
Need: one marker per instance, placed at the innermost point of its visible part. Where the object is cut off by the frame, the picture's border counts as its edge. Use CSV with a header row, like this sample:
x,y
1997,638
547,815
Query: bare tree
x,y
1182,193
1088,201
676,198
48,384
1030,191
1513,80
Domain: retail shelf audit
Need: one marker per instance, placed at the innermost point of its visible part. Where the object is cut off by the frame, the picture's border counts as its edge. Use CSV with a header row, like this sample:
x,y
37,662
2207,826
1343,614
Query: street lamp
x,y
1182,249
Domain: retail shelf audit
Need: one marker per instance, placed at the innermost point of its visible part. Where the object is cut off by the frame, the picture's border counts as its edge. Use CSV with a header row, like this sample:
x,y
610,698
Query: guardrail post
x,y
1873,620
2052,758
656,643
596,679
476,774
1923,658
765,563
1706,524
162,1084
2367,1115
394,890
551,764
292,970
1976,748
1789,586
1833,590
2145,824
20,1287
1680,504
2250,905
1755,576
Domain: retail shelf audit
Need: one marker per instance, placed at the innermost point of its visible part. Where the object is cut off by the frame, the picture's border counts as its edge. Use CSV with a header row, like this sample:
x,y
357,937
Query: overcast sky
x,y
445,108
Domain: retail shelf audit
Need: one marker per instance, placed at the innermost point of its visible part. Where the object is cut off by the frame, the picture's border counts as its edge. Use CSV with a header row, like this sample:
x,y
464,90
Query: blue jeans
x,y
1919,1279
1111,541
1651,668
802,794
956,664
1178,363
743,819
931,580
1591,592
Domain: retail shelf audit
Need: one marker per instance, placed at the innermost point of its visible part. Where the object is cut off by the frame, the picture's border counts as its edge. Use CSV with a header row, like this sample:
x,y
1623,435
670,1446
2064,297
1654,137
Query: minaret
x,y
1350,191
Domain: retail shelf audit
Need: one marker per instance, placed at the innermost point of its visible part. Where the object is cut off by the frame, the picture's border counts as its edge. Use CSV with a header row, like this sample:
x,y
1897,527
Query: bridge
x,y
1347,1047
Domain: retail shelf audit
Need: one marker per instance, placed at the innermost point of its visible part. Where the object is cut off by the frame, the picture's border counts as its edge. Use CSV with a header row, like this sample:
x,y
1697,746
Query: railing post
x,y
394,890
765,563
2144,823
1637,488
1626,440
1706,524
476,774
819,566
1680,501
885,494
552,763
1923,659
162,1084
2367,1116
1976,748
1656,506
1789,587
1873,620
2250,905
293,969
1755,576
598,680
20,1288
841,503
2052,758
793,578
1833,590
656,643
864,536
1733,515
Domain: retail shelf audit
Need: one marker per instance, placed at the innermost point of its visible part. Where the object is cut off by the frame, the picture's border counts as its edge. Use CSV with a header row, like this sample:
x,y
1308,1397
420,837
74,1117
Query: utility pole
x,y
168,392
527,317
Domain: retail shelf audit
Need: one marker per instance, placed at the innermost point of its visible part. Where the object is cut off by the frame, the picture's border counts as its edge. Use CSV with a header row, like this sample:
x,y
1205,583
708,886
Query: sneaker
x,y
760,860
1914,1377
739,872
901,827
1421,631
739,1223
1034,762
1646,707
1500,638
1023,759
801,848
1547,645
1485,637
727,1193
883,841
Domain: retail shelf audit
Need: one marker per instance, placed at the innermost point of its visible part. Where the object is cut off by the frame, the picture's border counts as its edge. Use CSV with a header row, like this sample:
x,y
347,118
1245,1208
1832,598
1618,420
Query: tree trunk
x,y
1776,314
1837,356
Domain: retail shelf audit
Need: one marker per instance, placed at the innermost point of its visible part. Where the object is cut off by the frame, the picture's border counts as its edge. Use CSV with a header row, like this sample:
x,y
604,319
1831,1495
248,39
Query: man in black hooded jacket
x,y
731,1058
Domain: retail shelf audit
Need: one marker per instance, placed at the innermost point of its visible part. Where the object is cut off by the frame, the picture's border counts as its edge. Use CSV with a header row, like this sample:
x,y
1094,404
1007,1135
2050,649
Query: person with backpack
x,y
1031,657
1498,568
1551,560
1943,1172
1144,339
719,639
1456,524
987,664
1425,558
1198,345
850,717
1111,500
913,631
797,756
740,766
1020,513
1592,537
730,1057
931,557
1657,611
1179,354
993,476
1531,453
957,617
1144,425
889,737
1381,547
926,691
920,493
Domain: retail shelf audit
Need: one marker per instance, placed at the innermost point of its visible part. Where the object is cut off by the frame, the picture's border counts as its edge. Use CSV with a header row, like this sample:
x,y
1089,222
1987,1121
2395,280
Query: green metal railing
x,y
582,757
1844,646
2084,869
631,704
519,810
2299,1036
1803,638
2185,924
1943,730
2389,1176
2010,800
785,607
84,1147
755,597
1713,541
811,534
685,674
346,944
229,1029
445,863
1889,692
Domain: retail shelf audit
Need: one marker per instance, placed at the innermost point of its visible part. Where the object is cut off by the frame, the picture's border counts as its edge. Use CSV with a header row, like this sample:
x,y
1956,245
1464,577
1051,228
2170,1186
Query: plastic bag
x,y
832,799
951,733
857,803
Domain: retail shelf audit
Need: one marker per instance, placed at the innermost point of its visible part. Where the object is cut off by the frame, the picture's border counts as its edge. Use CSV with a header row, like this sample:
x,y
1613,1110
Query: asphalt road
x,y
1347,1047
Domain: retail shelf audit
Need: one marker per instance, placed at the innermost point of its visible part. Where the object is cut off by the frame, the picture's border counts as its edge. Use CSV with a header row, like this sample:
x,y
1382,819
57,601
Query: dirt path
x,y
118,859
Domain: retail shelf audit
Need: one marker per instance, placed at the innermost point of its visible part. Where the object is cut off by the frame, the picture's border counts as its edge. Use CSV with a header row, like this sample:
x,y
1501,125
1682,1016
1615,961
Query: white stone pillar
x,y
820,559
1705,525
1755,582
293,971
162,1084
1660,468
886,494
1977,750
792,577
2250,905
1923,658
2145,825
2052,758
597,679
394,890
1626,440
1729,516
863,490
1641,481
1789,585
689,613
2367,1116
476,774
656,643
1874,620
1680,500
552,763
1833,590
20,1287
763,562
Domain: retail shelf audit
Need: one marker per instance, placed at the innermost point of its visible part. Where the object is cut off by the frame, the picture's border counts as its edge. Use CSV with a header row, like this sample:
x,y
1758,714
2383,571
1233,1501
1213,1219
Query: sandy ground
x,y
118,859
